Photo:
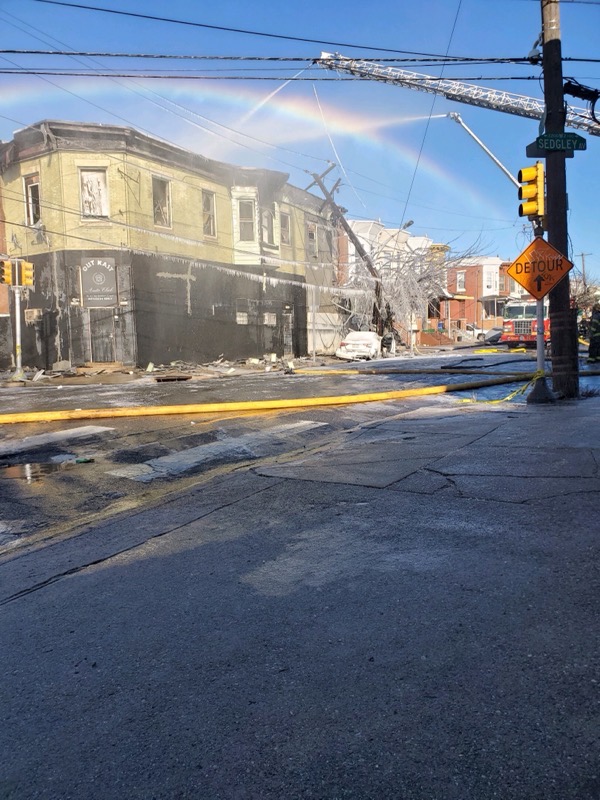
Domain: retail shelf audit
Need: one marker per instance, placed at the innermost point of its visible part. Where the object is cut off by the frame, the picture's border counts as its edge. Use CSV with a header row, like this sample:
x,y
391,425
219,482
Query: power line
x,y
248,32
223,28
434,60
144,95
66,73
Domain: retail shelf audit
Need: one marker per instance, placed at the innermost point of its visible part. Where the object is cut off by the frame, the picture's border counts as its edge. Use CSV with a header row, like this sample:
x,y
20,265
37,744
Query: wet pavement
x,y
406,608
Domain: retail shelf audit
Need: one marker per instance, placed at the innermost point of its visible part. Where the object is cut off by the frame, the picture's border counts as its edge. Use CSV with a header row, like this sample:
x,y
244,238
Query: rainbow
x,y
299,115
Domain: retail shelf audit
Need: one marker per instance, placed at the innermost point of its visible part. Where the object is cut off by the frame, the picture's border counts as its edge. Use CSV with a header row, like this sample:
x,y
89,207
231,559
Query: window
x,y
161,202
286,229
32,199
241,317
270,318
209,222
94,193
246,212
460,281
501,283
268,225
311,239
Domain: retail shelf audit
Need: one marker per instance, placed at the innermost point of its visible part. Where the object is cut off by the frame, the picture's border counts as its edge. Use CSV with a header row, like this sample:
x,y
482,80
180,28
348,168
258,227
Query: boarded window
x,y
311,239
32,199
94,193
286,229
161,201
209,222
246,212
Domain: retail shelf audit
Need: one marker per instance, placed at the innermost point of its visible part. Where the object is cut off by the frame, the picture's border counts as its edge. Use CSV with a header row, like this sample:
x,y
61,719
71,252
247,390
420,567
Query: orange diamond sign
x,y
539,268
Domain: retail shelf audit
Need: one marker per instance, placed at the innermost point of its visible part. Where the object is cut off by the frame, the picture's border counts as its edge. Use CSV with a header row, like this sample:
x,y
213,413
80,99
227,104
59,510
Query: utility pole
x,y
378,304
563,324
583,275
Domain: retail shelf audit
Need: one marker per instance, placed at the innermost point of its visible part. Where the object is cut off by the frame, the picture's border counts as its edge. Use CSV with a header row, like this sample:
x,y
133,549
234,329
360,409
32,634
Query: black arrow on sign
x,y
539,280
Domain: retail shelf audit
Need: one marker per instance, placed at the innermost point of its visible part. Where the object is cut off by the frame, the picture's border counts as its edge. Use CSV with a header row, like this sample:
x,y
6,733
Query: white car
x,y
359,345
492,335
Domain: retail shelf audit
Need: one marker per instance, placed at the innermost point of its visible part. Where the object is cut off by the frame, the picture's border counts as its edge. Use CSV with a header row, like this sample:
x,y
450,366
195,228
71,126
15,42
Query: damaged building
x,y
144,251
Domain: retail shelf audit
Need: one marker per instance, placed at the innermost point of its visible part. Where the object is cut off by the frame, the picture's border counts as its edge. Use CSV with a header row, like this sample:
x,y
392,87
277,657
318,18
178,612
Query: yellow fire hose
x,y
251,405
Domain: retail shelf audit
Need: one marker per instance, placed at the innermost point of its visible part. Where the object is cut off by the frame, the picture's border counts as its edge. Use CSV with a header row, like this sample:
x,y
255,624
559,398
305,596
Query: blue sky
x,y
398,155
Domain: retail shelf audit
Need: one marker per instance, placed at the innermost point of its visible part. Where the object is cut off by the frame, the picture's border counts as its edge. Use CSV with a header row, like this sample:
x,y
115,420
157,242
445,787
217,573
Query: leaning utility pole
x,y
378,321
563,323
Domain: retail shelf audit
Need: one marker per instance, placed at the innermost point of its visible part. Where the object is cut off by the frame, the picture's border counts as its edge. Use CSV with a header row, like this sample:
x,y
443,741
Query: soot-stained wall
x,y
196,314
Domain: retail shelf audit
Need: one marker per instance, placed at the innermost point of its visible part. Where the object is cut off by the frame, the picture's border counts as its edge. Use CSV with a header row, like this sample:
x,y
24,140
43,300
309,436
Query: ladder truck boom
x,y
470,93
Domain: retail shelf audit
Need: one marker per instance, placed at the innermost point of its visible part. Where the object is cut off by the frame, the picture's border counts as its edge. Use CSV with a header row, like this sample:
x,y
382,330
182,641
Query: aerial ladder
x,y
470,93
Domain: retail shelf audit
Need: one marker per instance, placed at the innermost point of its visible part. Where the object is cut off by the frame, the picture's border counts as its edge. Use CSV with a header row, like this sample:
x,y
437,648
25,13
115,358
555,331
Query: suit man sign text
x,y
539,268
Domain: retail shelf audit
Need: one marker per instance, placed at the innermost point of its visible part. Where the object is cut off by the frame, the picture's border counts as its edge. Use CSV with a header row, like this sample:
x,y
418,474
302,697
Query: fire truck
x,y
520,323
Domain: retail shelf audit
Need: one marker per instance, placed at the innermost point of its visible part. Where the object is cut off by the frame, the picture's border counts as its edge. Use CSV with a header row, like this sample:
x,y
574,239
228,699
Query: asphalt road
x,y
55,476
403,608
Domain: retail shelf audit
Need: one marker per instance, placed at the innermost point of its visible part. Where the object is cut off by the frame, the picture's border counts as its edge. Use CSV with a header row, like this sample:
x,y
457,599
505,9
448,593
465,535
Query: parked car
x,y
359,345
491,335
475,331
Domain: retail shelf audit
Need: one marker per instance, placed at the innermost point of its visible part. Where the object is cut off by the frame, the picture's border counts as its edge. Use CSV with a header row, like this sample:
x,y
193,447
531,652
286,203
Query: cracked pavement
x,y
406,608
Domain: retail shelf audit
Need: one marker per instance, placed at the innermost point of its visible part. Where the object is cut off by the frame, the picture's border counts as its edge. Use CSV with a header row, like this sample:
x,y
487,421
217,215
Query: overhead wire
x,y
146,90
243,31
447,60
423,61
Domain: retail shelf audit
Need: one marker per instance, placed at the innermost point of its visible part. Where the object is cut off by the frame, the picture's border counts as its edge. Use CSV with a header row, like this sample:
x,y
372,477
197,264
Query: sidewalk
x,y
411,615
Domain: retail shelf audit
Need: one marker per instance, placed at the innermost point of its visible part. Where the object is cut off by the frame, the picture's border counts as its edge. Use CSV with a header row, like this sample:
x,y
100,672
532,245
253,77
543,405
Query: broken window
x,y
32,199
286,229
246,212
209,221
161,201
94,193
311,239
268,225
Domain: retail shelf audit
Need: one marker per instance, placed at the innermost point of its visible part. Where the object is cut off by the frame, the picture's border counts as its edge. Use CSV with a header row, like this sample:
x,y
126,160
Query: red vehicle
x,y
520,324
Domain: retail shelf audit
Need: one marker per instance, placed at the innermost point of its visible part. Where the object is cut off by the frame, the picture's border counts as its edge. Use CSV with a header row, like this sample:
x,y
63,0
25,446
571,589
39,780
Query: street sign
x,y
550,142
539,268
533,151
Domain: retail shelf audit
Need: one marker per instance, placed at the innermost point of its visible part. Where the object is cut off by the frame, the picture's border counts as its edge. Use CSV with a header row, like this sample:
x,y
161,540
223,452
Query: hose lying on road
x,y
250,405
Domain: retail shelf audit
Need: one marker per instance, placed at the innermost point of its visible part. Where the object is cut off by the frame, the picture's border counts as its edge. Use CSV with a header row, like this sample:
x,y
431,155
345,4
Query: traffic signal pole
x,y
18,373
563,324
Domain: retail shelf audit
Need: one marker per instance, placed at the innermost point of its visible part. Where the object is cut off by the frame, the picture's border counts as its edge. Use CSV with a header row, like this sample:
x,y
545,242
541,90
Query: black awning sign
x,y
99,283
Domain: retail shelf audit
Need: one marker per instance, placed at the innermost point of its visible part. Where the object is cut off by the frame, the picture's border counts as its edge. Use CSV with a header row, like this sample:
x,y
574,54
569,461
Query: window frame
x,y
103,196
247,221
31,203
285,228
156,206
267,225
209,215
312,239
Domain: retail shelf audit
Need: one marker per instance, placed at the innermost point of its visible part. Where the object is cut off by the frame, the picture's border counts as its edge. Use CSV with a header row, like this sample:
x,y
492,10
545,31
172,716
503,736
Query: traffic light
x,y
532,191
6,273
27,273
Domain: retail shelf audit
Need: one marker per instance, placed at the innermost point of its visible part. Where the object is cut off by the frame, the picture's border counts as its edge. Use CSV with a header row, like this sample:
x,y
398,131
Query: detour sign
x,y
539,268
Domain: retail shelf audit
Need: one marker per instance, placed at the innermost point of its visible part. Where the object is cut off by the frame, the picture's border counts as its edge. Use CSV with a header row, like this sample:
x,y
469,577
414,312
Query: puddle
x,y
37,471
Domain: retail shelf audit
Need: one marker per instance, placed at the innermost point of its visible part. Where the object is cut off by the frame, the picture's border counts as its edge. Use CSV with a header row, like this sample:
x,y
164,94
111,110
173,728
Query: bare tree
x,y
412,277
